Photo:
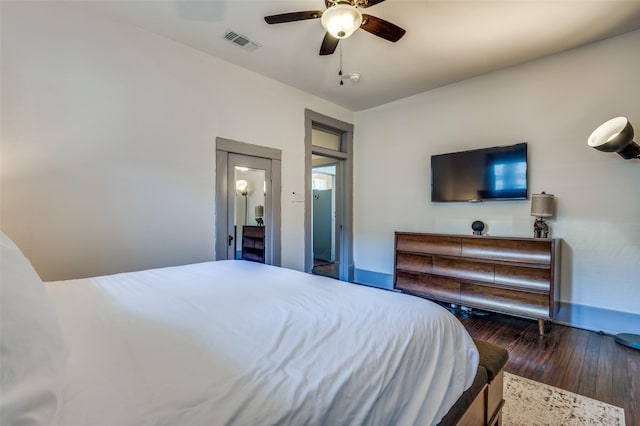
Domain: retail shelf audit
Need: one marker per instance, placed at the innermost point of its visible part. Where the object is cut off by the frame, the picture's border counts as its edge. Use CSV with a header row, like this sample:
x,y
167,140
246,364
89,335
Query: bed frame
x,y
482,403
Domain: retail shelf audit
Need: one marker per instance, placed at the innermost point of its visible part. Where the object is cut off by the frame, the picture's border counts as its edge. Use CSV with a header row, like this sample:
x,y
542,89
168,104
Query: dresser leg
x,y
541,326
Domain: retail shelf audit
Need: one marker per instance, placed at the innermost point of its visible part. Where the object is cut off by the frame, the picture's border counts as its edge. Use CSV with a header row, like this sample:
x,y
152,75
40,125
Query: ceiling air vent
x,y
241,41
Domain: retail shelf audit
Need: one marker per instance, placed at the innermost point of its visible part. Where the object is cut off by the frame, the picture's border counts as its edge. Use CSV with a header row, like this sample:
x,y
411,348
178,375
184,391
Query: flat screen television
x,y
496,173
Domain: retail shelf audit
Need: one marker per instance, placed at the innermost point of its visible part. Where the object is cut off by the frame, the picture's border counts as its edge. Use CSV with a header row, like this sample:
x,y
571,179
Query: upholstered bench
x,y
482,403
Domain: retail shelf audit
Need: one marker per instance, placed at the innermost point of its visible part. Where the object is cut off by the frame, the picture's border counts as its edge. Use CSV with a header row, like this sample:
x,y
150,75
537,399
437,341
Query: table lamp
x,y
541,207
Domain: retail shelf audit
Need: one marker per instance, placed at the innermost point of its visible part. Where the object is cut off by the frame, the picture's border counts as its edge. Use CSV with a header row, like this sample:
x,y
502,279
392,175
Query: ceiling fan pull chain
x,y
340,71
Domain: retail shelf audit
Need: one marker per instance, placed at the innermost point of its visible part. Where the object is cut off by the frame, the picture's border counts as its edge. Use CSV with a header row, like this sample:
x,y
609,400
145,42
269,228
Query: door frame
x,y
345,158
224,148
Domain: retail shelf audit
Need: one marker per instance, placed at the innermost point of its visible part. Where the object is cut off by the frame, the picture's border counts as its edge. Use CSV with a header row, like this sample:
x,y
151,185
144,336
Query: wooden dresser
x,y
510,275
253,243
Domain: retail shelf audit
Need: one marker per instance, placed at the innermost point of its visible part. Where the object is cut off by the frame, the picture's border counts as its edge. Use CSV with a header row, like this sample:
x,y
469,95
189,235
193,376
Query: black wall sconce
x,y
615,135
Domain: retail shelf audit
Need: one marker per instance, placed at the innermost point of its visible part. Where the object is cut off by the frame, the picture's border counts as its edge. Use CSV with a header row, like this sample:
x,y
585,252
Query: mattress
x,y
243,343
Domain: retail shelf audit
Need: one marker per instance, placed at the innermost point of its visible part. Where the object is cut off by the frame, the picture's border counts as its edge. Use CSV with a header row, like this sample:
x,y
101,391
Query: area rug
x,y
532,403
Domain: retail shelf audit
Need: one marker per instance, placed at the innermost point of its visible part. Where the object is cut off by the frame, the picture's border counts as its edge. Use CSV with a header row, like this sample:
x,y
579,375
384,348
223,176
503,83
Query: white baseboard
x,y
597,319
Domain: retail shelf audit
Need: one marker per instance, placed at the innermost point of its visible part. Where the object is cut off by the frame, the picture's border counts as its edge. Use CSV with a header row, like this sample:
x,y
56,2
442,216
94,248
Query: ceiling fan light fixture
x,y
341,20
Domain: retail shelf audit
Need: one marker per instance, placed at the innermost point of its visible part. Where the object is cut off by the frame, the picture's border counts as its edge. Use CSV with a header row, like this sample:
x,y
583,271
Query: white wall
x,y
108,142
553,104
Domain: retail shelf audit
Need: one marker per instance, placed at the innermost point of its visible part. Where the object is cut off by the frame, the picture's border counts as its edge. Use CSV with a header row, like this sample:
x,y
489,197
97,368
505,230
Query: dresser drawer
x,y
414,263
429,286
503,300
449,246
253,231
529,251
534,279
463,269
251,243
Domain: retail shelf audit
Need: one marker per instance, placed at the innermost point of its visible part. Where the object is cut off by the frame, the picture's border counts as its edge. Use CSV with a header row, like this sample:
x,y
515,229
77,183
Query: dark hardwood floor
x,y
328,269
580,361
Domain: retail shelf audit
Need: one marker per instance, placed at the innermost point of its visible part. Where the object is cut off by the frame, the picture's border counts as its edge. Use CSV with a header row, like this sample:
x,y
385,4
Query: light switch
x,y
297,197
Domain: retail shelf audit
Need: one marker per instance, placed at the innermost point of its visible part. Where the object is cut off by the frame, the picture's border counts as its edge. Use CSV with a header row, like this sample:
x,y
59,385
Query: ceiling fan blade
x,y
293,16
381,28
370,3
329,44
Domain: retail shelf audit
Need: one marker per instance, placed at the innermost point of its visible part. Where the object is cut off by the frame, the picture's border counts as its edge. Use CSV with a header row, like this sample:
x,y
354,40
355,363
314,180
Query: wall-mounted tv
x,y
497,173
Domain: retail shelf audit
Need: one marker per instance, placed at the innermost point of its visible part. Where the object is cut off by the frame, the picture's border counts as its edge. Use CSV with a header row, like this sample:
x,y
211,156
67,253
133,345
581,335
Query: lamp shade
x,y
259,210
615,135
341,20
241,185
542,205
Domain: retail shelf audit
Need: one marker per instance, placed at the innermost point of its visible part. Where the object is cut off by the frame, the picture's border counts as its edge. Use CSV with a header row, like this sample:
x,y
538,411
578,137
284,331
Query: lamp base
x,y
628,339
540,228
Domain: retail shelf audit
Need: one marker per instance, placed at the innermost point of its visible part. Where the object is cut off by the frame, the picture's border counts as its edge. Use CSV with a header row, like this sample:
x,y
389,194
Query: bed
x,y
224,343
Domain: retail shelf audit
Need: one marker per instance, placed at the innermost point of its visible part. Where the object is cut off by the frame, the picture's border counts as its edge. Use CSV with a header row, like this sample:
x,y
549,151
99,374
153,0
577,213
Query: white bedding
x,y
241,343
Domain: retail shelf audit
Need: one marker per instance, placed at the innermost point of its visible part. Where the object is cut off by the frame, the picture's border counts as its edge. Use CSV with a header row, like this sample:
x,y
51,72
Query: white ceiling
x,y
446,40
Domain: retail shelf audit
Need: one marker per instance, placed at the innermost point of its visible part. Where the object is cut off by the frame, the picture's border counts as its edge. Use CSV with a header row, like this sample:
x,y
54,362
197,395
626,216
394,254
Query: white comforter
x,y
240,343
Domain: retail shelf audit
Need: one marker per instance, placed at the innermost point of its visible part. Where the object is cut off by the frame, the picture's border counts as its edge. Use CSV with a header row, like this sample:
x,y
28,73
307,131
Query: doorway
x,y
247,202
329,204
326,216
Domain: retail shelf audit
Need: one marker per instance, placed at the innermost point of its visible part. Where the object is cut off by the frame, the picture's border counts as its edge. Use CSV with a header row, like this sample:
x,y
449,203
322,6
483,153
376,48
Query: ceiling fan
x,y
341,19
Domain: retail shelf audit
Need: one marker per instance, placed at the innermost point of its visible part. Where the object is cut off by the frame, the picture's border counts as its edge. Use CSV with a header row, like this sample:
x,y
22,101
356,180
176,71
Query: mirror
x,y
249,201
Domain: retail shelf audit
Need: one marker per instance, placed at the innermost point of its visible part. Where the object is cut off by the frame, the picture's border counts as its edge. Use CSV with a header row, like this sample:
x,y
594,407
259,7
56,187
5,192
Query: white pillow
x,y
31,346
